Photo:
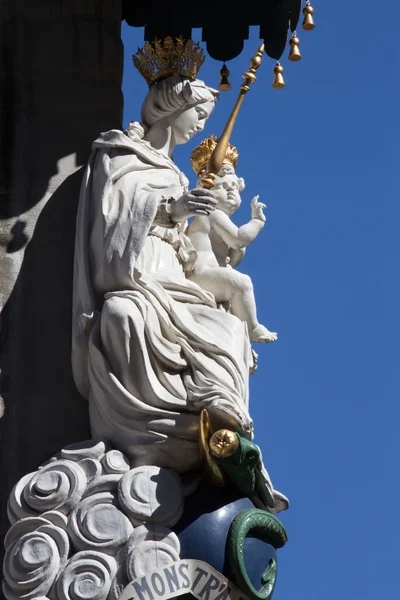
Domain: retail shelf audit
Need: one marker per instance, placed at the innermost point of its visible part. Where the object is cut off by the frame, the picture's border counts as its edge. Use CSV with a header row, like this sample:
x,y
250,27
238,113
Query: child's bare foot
x,y
262,334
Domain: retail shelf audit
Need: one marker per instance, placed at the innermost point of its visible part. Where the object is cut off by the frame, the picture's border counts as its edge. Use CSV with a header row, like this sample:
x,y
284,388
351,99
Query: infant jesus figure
x,y
220,244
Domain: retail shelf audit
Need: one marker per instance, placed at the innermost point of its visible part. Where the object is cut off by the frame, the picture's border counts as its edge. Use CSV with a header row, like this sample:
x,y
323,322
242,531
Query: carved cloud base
x,y
85,524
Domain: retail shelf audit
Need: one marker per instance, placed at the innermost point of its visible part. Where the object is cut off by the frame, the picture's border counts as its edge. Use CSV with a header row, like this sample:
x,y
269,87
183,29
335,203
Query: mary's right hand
x,y
194,202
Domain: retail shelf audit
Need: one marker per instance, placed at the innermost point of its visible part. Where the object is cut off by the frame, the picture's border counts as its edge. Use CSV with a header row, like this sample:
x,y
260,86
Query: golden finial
x,y
294,54
250,75
308,23
217,158
163,58
203,152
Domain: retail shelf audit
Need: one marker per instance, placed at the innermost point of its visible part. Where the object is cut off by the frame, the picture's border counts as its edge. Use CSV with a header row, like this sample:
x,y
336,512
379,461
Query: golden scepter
x,y
217,157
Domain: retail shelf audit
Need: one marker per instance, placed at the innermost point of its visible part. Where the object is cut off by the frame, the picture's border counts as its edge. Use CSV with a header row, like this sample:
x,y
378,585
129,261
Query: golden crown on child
x,y
202,154
162,58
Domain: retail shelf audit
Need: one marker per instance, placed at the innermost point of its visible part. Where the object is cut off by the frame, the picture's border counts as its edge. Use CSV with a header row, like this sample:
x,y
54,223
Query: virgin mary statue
x,y
151,349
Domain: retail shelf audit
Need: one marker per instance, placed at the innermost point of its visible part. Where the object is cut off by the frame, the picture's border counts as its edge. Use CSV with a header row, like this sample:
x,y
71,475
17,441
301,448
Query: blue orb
x,y
203,532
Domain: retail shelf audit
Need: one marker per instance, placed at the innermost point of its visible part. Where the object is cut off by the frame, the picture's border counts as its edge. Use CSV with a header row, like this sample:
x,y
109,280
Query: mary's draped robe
x,y
151,349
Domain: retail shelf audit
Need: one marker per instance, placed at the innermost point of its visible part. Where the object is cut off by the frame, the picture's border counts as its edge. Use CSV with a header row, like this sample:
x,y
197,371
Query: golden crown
x,y
202,154
163,58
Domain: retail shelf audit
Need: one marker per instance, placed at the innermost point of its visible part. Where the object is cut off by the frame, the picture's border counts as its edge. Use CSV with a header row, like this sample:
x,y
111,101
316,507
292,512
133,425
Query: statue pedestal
x,y
87,525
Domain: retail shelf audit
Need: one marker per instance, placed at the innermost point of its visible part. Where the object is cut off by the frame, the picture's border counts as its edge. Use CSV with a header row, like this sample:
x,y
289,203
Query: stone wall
x,y
60,85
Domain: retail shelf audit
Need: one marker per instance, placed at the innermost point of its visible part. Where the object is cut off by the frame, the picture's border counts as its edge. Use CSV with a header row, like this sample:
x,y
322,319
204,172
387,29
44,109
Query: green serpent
x,y
268,528
244,471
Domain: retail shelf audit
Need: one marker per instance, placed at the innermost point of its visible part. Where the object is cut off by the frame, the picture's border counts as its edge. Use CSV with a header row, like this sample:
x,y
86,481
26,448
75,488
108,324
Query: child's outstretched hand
x,y
257,209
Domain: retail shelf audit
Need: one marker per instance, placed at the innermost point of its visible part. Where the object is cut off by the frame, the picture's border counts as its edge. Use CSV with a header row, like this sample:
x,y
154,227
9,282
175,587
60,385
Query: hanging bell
x,y
224,84
278,83
294,54
308,23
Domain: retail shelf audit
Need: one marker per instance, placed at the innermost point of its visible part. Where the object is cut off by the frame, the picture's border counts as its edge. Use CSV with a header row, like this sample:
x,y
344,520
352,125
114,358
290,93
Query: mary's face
x,y
187,122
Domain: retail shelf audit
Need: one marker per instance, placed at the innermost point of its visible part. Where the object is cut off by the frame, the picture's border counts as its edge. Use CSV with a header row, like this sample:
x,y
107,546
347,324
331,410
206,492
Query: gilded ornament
x,y
278,82
203,152
224,84
217,157
212,472
162,58
224,443
308,23
294,54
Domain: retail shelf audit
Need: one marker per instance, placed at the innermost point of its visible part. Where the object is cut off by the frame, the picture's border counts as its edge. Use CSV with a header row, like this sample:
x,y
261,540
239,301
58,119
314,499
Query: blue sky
x,y
323,155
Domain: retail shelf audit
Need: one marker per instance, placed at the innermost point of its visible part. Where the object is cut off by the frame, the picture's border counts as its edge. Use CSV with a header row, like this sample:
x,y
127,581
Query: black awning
x,y
225,24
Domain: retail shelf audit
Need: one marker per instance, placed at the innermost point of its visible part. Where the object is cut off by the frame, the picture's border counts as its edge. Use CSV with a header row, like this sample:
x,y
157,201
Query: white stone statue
x,y
151,348
220,246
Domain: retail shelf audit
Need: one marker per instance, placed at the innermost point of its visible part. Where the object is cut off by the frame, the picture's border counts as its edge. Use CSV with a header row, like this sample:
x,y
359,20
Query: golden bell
x,y
294,54
278,83
308,23
224,84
